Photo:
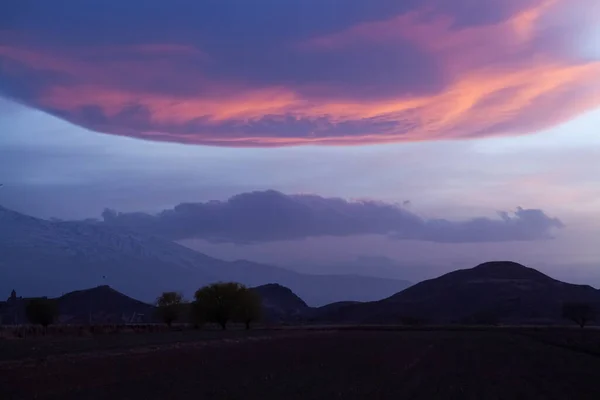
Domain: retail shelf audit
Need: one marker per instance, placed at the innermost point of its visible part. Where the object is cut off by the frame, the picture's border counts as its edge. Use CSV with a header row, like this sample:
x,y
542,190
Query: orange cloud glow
x,y
499,80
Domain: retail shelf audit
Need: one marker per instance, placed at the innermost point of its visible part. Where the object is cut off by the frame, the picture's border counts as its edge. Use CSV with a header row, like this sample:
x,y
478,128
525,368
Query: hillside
x,y
102,304
319,313
280,303
49,258
495,292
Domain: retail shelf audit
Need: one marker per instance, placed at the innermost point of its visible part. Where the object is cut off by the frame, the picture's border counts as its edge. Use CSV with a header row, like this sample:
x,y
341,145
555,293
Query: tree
x,y
196,314
250,306
41,311
169,306
218,302
580,313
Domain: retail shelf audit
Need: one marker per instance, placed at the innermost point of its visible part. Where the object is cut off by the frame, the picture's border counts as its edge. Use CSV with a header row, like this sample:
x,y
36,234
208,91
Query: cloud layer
x,y
269,216
266,73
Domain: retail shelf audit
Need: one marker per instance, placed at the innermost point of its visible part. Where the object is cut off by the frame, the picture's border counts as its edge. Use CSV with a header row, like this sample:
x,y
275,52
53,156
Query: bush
x,y
41,311
580,313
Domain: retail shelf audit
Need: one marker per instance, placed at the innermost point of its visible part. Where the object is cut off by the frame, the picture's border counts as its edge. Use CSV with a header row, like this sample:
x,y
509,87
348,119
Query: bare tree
x,y
580,313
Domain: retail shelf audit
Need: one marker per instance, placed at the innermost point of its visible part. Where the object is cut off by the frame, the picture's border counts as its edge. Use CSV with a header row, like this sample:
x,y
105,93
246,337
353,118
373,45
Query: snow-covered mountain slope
x,y
40,257
52,257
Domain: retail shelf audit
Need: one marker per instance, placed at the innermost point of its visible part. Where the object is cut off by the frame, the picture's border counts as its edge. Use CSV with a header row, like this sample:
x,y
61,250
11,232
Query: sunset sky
x,y
431,132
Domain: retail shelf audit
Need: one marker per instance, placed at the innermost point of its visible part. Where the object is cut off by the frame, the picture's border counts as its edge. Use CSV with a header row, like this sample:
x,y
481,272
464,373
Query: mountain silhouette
x,y
493,292
280,303
101,305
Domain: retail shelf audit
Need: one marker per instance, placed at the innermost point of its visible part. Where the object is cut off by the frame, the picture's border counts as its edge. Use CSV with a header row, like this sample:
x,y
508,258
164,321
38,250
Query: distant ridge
x,y
48,257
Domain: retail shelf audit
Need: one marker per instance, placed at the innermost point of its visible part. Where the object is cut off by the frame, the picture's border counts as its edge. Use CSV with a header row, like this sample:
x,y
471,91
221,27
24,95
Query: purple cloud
x,y
266,73
272,216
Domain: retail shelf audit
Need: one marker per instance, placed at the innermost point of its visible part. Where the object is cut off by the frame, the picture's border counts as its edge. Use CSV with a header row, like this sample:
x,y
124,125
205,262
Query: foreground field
x,y
349,364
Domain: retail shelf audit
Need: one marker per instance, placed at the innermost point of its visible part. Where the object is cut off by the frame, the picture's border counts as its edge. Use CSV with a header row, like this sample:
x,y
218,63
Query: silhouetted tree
x,y
196,314
218,302
169,306
250,306
41,311
580,313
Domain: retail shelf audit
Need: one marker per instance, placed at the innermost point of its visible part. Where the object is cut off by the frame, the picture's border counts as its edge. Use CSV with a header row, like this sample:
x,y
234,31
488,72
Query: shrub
x,y
41,311
580,313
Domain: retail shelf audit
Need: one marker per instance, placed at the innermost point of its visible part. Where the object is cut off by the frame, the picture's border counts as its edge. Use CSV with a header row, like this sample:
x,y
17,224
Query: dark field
x,y
324,364
41,348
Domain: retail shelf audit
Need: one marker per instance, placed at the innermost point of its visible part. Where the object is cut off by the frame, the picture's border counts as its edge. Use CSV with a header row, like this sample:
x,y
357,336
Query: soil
x,y
327,364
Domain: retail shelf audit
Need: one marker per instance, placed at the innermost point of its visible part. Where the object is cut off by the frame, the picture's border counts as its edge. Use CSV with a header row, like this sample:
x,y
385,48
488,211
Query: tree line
x,y
225,302
218,303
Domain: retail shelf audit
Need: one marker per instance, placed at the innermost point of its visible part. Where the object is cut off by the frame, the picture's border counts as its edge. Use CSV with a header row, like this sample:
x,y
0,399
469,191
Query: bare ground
x,y
316,365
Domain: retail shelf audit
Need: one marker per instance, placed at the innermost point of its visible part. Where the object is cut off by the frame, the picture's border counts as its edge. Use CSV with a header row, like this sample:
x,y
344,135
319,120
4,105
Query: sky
x,y
306,133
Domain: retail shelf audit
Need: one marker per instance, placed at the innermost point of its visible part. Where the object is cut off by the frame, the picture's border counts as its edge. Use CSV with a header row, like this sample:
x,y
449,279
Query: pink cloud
x,y
500,78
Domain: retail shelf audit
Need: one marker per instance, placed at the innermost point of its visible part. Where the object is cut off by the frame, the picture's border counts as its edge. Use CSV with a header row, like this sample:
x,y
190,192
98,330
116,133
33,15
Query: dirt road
x,y
318,365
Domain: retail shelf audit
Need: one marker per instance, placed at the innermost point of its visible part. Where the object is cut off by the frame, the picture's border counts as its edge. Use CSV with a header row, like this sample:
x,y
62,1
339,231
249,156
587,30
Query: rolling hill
x,y
494,292
105,305
279,303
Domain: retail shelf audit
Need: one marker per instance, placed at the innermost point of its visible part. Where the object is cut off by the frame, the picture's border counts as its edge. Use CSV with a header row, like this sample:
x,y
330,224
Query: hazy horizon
x,y
371,256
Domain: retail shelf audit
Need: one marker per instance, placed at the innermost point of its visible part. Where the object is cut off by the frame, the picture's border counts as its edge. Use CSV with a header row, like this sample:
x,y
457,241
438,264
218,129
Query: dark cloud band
x,y
272,216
